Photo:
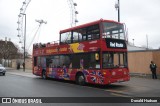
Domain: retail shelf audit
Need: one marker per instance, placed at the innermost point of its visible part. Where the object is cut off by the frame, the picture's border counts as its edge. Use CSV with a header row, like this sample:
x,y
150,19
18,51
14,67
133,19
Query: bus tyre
x,y
80,79
44,74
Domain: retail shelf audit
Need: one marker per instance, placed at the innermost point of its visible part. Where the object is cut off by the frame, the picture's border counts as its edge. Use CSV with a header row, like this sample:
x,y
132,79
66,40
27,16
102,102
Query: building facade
x,y
139,61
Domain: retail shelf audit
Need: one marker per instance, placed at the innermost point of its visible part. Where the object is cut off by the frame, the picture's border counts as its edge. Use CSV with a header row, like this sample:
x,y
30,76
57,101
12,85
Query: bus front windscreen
x,y
114,59
113,30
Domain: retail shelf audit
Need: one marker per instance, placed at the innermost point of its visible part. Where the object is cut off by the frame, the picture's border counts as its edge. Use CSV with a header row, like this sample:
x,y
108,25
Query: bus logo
x,y
81,46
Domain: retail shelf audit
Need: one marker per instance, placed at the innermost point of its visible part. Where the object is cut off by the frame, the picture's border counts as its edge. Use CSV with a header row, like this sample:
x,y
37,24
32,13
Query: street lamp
x,y
117,6
24,41
147,41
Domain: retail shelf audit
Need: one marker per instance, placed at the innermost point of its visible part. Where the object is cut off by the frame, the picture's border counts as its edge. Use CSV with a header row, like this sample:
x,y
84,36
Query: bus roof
x,y
87,24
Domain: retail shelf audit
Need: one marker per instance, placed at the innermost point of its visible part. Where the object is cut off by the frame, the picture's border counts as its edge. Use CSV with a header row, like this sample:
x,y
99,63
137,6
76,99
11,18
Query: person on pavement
x,y
153,68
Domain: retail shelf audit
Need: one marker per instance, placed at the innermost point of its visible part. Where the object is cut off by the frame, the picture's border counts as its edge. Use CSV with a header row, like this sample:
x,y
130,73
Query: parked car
x,y
2,70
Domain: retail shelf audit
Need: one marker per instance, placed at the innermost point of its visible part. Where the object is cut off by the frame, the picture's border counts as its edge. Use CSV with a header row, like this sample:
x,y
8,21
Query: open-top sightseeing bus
x,y
94,53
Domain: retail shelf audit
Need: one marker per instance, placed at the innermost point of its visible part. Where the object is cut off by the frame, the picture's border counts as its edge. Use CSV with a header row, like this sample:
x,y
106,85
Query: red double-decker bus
x,y
94,53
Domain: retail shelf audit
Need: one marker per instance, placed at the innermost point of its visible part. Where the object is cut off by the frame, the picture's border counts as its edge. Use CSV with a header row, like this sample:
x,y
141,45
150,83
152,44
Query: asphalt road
x,y
16,85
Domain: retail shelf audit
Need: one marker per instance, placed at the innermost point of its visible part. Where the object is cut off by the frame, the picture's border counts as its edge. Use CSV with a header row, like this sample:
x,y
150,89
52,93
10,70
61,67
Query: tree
x,y
8,50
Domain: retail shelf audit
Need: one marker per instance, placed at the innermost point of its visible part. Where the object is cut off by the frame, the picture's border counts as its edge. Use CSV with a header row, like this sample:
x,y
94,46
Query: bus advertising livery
x,y
94,53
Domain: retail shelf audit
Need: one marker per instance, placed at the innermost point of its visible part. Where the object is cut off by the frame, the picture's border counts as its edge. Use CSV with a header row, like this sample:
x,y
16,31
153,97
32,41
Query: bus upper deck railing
x,y
49,44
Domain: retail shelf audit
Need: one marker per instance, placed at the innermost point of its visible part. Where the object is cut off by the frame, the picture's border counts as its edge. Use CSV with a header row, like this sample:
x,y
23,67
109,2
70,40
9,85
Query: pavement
x,y
26,73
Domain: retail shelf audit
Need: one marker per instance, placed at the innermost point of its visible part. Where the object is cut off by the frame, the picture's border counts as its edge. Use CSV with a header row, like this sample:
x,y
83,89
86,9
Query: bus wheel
x,y
44,74
80,79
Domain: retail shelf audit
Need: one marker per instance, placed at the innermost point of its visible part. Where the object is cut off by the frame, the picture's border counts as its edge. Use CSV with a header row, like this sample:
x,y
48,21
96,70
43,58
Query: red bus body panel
x,y
92,76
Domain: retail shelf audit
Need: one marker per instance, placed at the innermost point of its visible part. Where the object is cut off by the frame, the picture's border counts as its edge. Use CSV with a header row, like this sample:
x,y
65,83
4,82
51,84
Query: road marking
x,y
117,91
120,95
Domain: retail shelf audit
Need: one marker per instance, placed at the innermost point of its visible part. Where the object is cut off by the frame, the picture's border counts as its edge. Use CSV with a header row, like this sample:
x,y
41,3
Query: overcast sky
x,y
142,17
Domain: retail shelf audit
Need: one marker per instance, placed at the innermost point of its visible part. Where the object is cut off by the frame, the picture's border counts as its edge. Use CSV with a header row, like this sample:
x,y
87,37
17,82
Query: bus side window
x,y
75,37
47,62
65,38
93,32
84,37
35,61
